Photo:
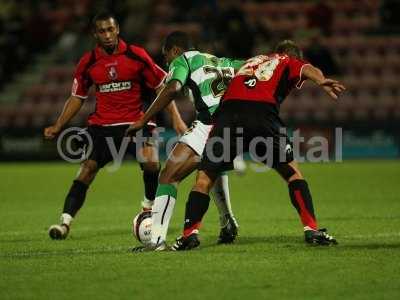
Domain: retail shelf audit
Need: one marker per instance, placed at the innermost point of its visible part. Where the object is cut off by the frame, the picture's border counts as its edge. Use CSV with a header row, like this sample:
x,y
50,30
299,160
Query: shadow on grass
x,y
78,235
64,252
103,232
358,218
280,240
83,235
21,240
372,246
298,243
273,239
74,235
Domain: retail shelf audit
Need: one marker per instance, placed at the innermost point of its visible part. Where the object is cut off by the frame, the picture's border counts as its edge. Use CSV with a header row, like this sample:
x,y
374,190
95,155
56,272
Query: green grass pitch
x,y
359,201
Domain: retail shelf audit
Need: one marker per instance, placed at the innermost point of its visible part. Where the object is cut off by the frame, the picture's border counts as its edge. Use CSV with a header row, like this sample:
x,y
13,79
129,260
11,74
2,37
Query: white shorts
x,y
196,136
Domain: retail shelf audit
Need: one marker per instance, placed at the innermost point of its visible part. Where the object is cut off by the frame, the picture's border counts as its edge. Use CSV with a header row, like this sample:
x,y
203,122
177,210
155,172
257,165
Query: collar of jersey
x,y
190,53
122,46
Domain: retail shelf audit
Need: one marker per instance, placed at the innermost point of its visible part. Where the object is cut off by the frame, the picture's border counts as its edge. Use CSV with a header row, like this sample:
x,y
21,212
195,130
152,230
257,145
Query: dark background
x,y
355,41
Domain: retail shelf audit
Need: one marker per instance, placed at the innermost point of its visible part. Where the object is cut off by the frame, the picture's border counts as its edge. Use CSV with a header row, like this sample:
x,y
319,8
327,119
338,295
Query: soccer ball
x,y
141,227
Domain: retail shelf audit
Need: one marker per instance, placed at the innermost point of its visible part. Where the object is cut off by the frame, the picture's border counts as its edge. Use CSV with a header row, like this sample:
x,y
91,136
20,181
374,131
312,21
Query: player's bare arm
x,y
177,123
165,97
332,87
71,108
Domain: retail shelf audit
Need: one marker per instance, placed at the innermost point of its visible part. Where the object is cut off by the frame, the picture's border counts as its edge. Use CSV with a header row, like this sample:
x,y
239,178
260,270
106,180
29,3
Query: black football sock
x,y
196,207
150,184
302,201
75,198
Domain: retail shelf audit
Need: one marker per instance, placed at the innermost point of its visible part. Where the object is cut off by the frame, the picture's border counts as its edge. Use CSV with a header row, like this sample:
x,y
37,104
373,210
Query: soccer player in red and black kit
x,y
120,73
249,113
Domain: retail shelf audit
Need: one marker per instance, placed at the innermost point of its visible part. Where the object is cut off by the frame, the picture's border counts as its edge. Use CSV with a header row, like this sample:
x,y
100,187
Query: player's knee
x,y
203,184
296,176
88,172
289,172
168,177
151,167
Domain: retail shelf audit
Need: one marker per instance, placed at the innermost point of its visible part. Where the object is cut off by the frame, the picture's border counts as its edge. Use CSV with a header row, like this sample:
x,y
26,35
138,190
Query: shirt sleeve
x,y
82,81
178,70
236,64
295,71
153,74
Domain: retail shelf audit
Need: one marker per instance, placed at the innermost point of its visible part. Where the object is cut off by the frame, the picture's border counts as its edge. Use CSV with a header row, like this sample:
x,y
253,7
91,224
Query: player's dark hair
x,y
290,48
179,39
103,16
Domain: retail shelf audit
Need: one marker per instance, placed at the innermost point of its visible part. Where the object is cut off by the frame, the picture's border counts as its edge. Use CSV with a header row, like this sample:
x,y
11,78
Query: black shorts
x,y
246,126
102,137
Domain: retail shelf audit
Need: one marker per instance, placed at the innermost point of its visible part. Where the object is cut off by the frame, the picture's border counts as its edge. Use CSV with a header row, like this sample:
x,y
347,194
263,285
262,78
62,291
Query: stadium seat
x,y
370,64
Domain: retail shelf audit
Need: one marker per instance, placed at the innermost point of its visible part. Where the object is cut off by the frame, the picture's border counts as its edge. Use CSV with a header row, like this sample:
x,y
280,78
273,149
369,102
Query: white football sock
x,y
161,215
222,199
239,165
146,203
66,219
162,210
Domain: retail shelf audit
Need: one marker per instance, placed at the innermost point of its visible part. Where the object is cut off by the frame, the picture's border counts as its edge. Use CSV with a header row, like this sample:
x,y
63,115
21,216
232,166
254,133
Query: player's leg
x,y
150,165
181,162
198,201
299,192
196,138
74,199
283,162
196,207
210,168
301,199
98,158
228,223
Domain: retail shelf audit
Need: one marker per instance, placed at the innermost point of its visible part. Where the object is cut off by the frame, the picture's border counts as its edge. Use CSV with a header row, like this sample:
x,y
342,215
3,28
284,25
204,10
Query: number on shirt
x,y
262,67
221,80
265,70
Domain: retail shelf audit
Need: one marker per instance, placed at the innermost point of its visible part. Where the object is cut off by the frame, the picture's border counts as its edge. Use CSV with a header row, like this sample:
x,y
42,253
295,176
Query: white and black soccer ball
x,y
141,227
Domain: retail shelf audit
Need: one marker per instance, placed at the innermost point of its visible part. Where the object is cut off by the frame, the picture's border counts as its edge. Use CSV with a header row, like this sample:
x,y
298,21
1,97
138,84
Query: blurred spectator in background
x,y
208,16
321,16
136,27
234,30
264,38
13,50
389,12
39,28
29,27
320,56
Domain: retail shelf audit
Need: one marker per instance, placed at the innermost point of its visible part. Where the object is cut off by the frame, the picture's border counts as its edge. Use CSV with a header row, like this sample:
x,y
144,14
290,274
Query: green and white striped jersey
x,y
207,77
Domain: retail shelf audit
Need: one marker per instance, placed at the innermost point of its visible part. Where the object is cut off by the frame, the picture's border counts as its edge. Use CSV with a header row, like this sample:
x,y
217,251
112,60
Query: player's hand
x,y
332,87
180,127
51,132
133,128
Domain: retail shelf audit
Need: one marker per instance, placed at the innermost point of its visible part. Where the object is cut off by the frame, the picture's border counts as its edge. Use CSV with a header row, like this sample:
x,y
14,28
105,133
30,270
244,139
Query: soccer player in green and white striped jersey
x,y
207,77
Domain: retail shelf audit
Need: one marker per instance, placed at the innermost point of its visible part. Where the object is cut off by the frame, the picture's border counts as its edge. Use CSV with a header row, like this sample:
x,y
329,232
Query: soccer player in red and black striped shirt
x,y
251,104
120,73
